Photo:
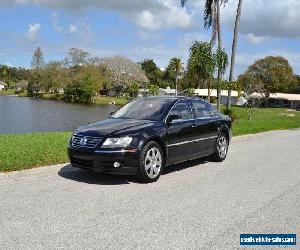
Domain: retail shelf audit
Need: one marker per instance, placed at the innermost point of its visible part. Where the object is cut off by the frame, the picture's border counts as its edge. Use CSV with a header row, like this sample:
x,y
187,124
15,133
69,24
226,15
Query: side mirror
x,y
174,118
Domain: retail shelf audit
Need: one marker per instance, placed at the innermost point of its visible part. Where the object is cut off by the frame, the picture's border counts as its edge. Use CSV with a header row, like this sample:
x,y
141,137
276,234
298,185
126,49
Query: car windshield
x,y
154,109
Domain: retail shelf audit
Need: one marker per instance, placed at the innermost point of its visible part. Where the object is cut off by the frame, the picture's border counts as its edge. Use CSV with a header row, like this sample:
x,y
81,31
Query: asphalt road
x,y
196,205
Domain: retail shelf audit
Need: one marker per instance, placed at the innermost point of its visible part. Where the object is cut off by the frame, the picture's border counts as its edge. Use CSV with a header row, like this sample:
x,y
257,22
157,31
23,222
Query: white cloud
x,y
172,15
274,18
115,5
257,39
146,20
148,14
33,31
262,18
55,22
72,29
80,27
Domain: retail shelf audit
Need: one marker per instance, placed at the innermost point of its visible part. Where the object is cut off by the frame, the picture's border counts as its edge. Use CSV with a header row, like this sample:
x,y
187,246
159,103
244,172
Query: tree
x,y
268,75
36,75
4,75
35,82
84,84
153,89
12,75
296,90
77,57
201,62
123,72
37,59
212,18
22,85
234,47
221,59
54,77
133,89
177,66
151,70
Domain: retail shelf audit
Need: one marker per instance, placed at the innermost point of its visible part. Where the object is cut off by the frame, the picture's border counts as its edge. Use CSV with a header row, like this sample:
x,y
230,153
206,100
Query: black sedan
x,y
149,133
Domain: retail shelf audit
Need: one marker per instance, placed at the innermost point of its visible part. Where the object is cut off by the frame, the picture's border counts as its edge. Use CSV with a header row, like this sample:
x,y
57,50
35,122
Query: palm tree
x,y
234,46
221,60
212,18
177,66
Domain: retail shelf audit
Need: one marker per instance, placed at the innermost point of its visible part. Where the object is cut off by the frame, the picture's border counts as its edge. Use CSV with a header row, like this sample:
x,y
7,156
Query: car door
x,y
207,124
181,133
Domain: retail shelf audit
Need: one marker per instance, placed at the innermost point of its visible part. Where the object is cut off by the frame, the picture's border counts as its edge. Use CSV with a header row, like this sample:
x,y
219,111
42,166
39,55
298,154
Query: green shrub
x,y
230,113
17,92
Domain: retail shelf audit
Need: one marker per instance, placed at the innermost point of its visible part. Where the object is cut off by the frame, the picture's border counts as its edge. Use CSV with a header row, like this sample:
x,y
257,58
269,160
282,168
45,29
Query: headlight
x,y
121,142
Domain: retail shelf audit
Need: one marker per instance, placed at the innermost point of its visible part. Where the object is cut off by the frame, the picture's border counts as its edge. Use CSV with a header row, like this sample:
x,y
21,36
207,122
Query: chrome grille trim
x,y
91,141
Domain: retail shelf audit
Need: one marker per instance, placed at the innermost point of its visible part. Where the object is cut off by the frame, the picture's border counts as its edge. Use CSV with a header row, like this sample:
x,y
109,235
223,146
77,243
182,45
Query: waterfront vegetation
x,y
101,100
7,92
24,151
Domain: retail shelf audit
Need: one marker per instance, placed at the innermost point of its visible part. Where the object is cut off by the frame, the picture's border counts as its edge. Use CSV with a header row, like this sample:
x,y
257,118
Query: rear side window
x,y
202,109
183,109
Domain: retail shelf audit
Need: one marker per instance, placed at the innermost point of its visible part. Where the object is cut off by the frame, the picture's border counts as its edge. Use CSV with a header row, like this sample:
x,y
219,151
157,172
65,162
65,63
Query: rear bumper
x,y
102,161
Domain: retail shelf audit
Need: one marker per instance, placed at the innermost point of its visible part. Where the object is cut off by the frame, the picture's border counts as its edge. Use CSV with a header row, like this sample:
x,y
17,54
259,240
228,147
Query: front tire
x,y
221,148
151,163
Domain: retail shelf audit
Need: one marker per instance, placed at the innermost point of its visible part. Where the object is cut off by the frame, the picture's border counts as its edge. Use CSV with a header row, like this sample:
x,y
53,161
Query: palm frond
x,y
183,2
209,13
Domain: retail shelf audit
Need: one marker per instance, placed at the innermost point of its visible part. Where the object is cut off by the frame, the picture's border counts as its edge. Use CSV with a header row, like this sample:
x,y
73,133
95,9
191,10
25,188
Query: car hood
x,y
111,126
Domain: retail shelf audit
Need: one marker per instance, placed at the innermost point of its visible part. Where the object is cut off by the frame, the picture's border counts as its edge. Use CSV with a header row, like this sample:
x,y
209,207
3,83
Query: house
x,y
167,91
281,100
236,98
2,85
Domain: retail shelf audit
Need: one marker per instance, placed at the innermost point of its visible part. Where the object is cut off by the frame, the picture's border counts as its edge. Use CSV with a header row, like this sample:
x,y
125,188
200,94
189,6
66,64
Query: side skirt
x,y
201,154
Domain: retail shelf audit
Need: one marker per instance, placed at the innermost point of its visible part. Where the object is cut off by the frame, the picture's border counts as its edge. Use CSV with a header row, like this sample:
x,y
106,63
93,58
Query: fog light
x,y
117,164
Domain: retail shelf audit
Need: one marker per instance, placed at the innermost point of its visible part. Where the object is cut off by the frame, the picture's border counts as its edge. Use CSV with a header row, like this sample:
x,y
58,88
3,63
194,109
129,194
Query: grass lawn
x,y
264,119
23,151
7,92
108,99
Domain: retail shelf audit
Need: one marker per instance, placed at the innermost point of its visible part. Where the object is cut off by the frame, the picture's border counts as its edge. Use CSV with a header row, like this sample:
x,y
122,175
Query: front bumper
x,y
102,161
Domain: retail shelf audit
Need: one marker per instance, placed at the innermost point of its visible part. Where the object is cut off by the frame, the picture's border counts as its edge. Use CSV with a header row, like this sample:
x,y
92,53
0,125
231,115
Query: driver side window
x,y
183,110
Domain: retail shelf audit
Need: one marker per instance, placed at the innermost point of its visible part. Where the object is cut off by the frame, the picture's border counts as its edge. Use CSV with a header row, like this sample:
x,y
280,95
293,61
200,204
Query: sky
x,y
144,29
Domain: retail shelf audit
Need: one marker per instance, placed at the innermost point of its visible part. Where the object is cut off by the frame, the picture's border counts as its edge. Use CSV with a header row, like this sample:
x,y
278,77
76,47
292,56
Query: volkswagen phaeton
x,y
150,133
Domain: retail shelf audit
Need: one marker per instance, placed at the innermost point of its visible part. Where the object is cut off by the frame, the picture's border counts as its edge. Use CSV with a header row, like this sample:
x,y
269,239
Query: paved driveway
x,y
196,205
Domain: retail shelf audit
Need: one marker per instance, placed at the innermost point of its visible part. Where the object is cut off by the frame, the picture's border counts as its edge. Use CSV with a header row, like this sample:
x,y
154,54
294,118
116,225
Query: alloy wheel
x,y
153,162
222,146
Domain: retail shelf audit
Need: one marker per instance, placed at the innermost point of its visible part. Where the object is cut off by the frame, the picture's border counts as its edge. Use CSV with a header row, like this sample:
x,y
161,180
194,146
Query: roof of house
x,y
168,90
213,92
283,96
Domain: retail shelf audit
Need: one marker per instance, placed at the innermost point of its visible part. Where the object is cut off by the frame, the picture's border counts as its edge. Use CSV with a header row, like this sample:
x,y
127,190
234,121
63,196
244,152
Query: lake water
x,y
24,115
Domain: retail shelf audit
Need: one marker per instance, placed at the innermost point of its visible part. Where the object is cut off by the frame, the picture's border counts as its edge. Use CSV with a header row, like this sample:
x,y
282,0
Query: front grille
x,y
81,163
82,141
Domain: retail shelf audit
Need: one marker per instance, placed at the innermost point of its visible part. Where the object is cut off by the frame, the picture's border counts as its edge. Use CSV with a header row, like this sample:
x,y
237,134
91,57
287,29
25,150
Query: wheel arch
x,y
226,131
160,142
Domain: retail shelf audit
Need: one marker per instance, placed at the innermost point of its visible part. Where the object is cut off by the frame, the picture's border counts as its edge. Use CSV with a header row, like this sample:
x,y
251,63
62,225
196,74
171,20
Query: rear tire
x,y
151,163
221,148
